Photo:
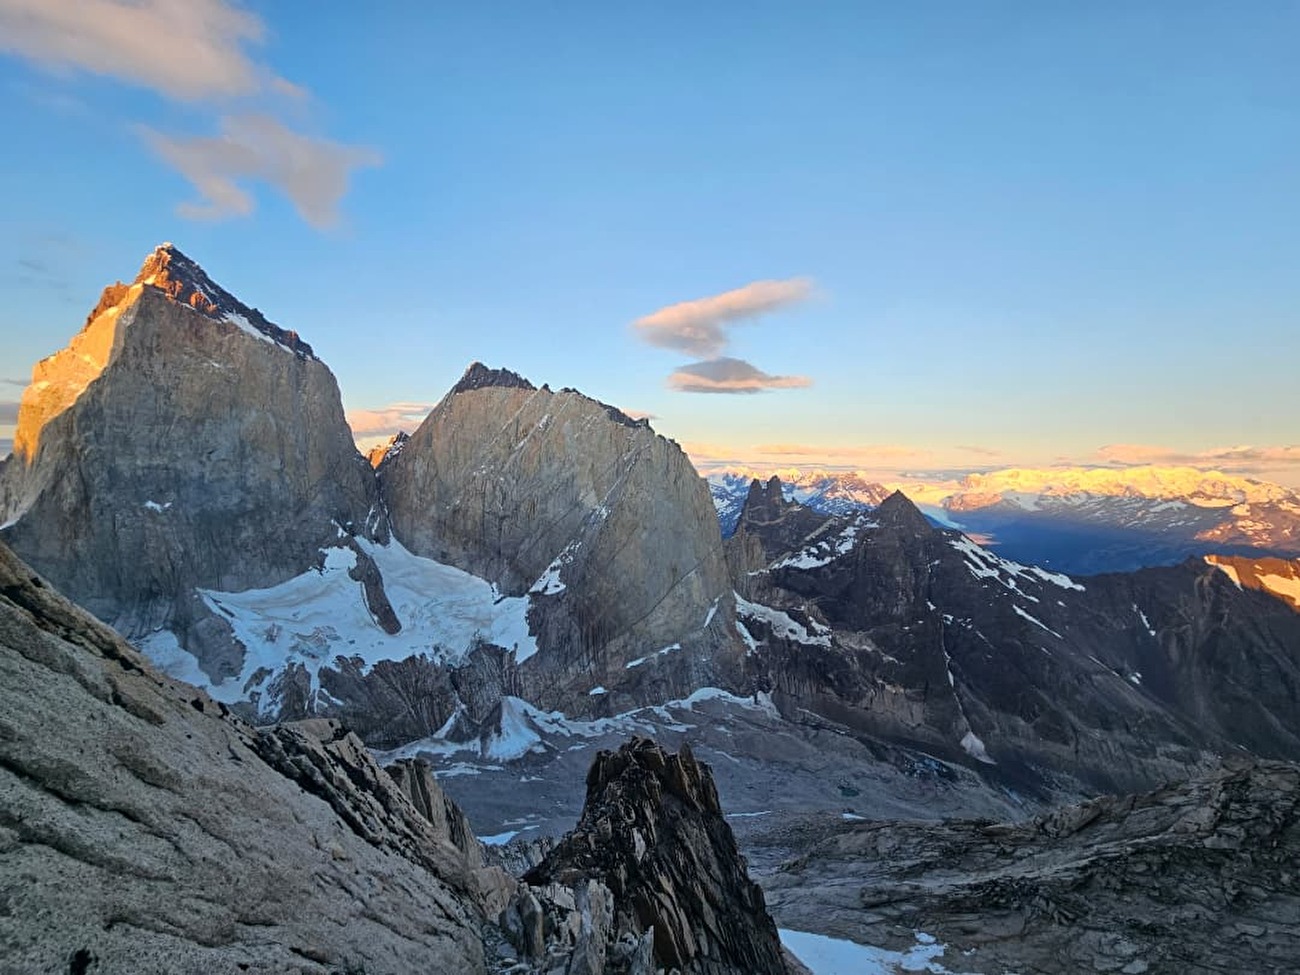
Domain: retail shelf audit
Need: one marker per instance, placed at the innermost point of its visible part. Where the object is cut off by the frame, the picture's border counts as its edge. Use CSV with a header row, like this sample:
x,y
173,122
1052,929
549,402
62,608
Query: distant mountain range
x,y
1079,520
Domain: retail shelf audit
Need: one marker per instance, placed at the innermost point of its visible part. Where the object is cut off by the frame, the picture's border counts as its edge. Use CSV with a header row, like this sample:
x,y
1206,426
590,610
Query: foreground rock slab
x,y
144,830
1195,878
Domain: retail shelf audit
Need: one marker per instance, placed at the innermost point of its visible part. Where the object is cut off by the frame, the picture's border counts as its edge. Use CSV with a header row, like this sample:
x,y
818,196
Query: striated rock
x,y
605,524
652,831
180,442
144,829
1194,878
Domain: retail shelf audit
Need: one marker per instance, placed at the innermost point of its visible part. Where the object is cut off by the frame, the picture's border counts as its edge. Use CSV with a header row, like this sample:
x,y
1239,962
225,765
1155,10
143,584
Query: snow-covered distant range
x,y
1082,519
829,492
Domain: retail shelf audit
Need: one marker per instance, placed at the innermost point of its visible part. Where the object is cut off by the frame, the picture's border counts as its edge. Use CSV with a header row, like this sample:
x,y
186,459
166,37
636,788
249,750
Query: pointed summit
x,y
898,511
479,376
184,281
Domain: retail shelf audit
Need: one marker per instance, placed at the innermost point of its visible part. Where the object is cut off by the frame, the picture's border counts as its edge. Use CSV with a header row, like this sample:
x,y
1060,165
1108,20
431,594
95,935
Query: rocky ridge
x,y
145,828
652,834
1077,520
916,634
1200,877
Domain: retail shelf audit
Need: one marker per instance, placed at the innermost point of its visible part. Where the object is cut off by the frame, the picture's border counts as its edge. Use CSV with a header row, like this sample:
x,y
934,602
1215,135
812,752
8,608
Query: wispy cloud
x,y
388,420
10,381
1245,458
877,453
639,414
699,327
978,451
186,49
195,51
313,173
726,375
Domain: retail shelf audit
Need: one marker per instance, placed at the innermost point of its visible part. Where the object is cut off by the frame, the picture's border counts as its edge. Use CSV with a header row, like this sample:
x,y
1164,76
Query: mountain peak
x,y
899,511
479,376
183,280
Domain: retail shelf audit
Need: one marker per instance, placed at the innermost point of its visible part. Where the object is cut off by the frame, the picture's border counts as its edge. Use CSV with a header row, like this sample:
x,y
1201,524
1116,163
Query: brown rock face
x,y
180,442
652,831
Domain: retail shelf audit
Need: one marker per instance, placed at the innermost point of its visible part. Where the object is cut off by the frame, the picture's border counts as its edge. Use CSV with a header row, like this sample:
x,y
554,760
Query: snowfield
x,y
322,614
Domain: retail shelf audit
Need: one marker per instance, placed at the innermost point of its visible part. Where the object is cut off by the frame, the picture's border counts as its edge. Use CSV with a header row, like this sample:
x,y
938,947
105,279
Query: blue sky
x,y
1007,233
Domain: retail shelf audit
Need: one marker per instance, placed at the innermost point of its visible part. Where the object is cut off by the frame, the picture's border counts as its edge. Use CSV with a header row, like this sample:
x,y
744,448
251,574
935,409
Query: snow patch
x,y
658,653
315,617
155,506
1282,586
1036,621
827,550
975,748
833,956
781,624
983,564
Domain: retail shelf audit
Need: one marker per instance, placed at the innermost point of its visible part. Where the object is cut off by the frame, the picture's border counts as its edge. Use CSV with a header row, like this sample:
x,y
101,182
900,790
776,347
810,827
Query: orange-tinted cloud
x,y
388,420
699,327
313,173
1240,458
726,375
873,452
184,49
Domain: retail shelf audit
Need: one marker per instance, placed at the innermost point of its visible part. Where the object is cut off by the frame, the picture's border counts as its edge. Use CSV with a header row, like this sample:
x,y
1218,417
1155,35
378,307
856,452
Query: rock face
x,y
181,441
1279,577
652,833
605,524
1196,878
387,451
918,635
144,829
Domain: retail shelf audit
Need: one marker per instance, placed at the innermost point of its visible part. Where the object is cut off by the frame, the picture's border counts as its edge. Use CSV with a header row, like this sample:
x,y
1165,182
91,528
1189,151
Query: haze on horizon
x,y
905,240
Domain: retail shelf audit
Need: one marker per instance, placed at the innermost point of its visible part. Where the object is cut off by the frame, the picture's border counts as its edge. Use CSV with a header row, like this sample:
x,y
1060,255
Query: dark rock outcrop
x,y
653,833
1113,683
1197,878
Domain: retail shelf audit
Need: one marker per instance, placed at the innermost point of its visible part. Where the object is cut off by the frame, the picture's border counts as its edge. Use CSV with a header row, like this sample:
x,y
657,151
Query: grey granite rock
x,y
604,522
181,441
1196,878
143,829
